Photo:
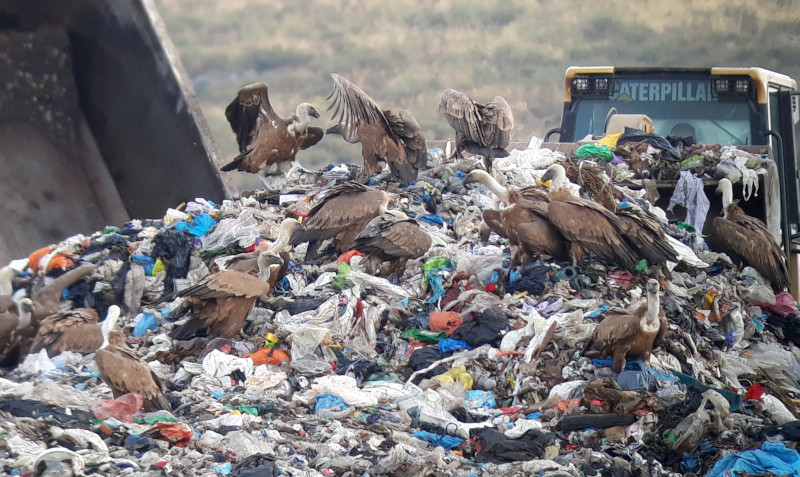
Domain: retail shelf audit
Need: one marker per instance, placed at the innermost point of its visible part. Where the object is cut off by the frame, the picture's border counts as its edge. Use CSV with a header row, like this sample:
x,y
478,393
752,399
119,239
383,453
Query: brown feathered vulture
x,y
124,371
75,330
588,226
385,136
393,237
529,232
340,215
631,333
219,304
266,138
47,300
15,321
482,129
750,239
644,233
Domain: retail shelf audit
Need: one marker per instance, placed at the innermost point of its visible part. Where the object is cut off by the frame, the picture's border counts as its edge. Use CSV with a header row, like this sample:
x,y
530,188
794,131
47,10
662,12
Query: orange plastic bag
x,y
33,258
345,257
268,356
447,321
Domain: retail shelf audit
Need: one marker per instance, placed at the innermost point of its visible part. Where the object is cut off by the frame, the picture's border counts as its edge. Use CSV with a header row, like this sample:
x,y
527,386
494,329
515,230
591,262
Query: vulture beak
x,y
312,111
273,259
652,286
25,306
335,129
547,179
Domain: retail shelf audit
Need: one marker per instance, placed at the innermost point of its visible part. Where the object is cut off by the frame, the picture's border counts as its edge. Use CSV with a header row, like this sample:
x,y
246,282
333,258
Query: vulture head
x,y
268,264
482,177
306,110
725,187
110,335
388,199
652,286
7,274
25,308
556,174
397,214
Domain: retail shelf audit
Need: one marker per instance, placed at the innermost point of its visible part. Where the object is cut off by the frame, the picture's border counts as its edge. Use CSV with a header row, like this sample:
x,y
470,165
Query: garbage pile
x,y
459,365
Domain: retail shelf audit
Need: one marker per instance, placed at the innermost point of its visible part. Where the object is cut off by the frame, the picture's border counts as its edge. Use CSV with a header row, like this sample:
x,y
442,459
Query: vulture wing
x,y
313,135
228,283
353,108
750,238
493,220
75,330
401,239
593,228
645,234
125,372
244,113
463,115
617,327
347,206
497,123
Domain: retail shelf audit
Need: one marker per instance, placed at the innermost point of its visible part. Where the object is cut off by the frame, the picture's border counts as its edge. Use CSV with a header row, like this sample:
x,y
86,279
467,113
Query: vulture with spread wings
x,y
266,138
392,137
482,129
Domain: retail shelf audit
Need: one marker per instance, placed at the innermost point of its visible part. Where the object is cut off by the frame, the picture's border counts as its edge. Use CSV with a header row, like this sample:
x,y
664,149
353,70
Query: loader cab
x,y
746,107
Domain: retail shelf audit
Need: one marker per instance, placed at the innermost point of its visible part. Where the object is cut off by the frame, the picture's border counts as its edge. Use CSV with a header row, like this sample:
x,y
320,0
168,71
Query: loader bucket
x,y
98,121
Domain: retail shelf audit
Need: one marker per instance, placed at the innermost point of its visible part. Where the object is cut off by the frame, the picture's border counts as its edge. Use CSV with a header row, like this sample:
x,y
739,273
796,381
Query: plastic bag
x,y
123,408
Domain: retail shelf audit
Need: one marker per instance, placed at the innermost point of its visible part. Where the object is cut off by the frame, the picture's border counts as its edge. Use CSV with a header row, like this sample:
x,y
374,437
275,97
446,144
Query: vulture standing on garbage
x,y
750,239
340,215
220,303
266,138
645,234
482,129
76,330
395,138
15,319
124,371
394,237
631,333
587,226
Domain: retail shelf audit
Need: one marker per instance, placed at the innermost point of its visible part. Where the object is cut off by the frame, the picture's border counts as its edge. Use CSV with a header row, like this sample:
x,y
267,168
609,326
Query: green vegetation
x,y
405,52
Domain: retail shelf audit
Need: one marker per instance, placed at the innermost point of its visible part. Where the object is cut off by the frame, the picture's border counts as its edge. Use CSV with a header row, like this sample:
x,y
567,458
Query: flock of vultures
x,y
544,220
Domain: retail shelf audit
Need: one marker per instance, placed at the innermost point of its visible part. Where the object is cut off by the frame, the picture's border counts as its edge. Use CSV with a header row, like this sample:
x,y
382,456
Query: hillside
x,y
404,53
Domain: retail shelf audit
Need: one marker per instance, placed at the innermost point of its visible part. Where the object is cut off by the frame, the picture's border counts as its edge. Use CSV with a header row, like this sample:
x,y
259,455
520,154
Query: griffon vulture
x,y
631,333
588,226
220,303
266,138
750,239
340,216
394,237
482,129
47,300
75,330
124,371
395,138
530,233
15,320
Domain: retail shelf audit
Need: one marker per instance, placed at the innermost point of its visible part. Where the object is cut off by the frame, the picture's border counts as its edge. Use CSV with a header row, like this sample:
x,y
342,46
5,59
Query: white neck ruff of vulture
x,y
263,268
650,322
496,188
109,323
559,177
6,276
24,319
727,195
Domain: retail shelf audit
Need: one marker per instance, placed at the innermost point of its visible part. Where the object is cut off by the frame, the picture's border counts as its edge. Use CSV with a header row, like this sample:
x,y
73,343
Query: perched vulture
x,y
15,320
750,239
394,237
340,216
220,303
395,138
631,333
482,129
76,330
124,371
7,275
266,138
588,226
529,233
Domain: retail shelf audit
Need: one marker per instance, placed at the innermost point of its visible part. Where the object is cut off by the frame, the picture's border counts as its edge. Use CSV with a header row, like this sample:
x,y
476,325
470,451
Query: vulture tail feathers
x,y
236,162
160,402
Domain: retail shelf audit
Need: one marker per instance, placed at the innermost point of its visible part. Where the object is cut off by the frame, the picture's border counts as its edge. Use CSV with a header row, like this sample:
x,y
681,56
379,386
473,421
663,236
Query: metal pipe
x,y
787,248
